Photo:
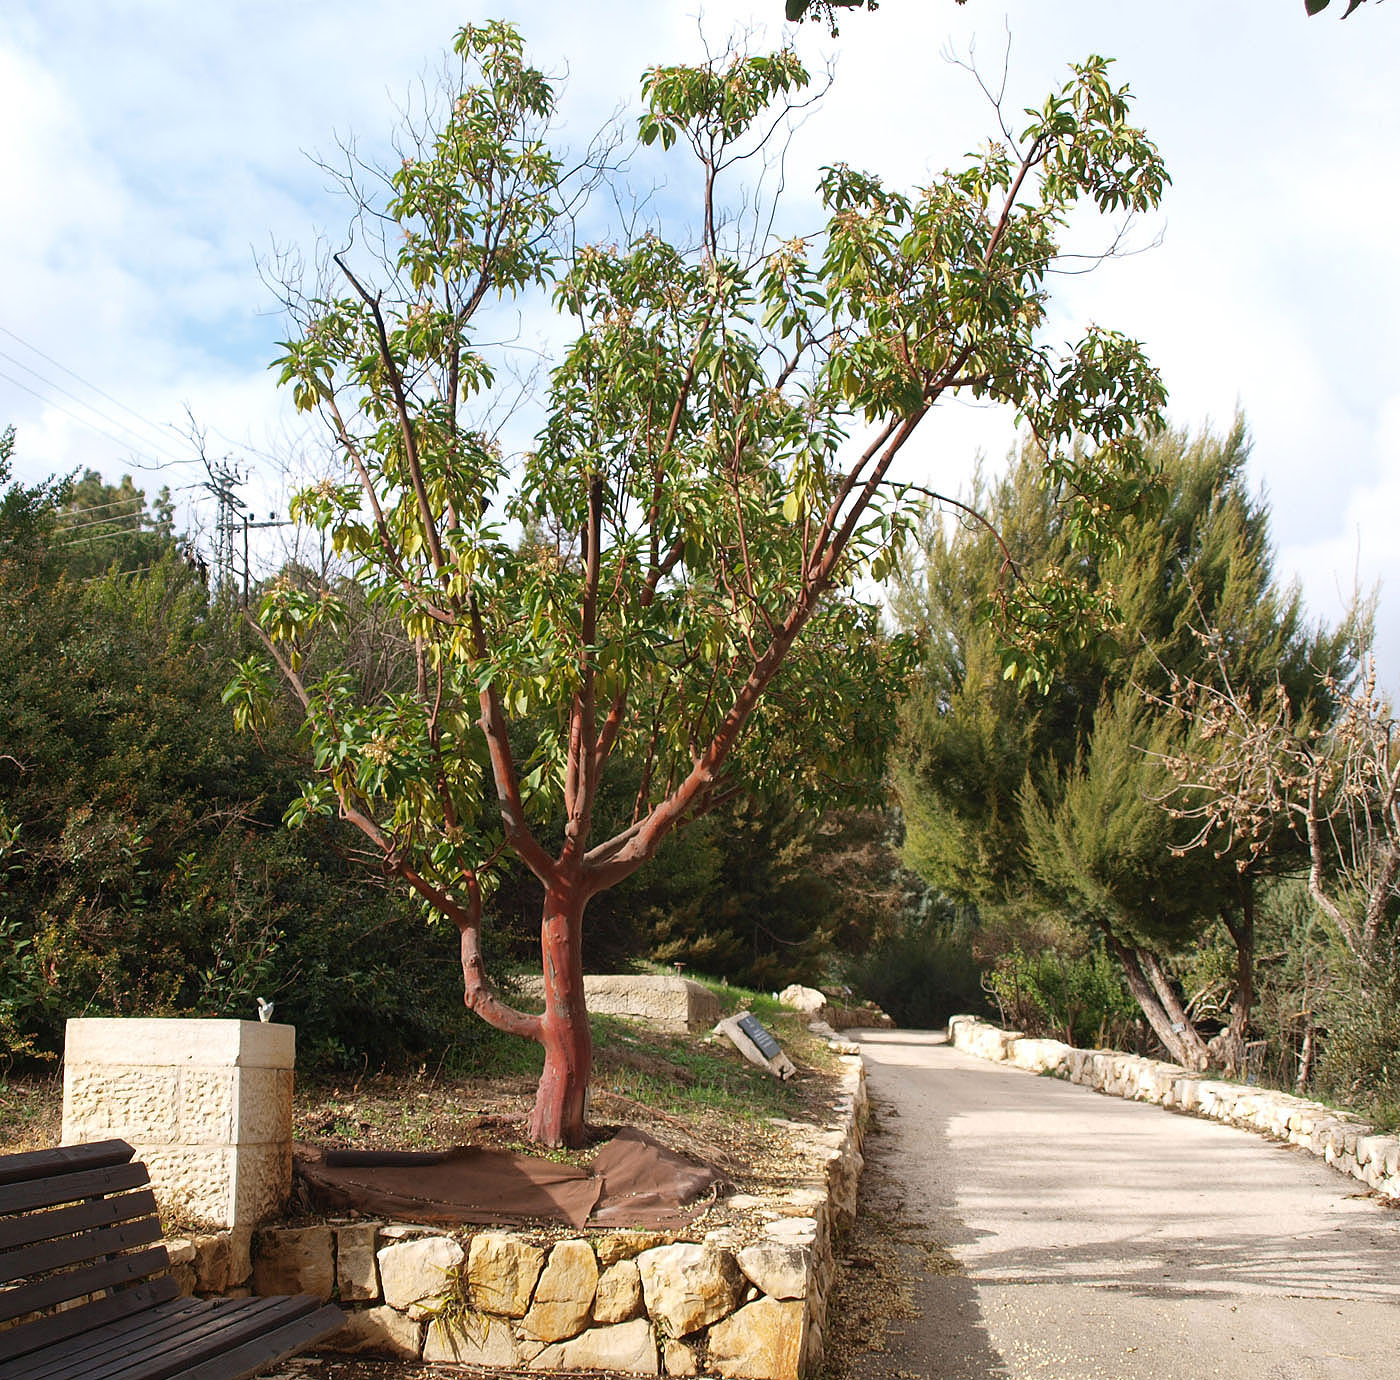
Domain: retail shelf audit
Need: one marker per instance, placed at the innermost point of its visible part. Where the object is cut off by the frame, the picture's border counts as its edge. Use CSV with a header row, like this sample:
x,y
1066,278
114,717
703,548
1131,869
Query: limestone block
x,y
762,1341
213,1262
262,1182
472,1339
502,1271
382,1331
356,1267
626,1245
780,1269
564,1294
679,1358
1371,1149
294,1260
194,1042
180,1250
104,1102
628,1347
687,1286
207,1104
240,1254
263,1109
619,1297
414,1274
193,1183
807,1000
673,1005
185,1279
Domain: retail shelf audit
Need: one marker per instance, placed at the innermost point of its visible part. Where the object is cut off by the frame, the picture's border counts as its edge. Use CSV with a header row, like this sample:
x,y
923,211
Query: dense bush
x,y
923,972
1077,998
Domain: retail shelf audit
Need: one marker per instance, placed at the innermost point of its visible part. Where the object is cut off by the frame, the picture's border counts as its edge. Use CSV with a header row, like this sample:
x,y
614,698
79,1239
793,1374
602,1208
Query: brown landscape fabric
x,y
647,1185
634,1181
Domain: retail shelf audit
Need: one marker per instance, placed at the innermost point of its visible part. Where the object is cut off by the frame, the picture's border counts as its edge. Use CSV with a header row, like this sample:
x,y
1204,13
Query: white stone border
x,y
1346,1142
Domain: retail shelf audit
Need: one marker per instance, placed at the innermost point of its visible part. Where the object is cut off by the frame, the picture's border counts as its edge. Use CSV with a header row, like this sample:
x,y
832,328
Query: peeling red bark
x,y
559,1116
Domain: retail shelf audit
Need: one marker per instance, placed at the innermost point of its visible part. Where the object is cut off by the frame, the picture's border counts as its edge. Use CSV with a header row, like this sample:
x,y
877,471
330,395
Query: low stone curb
x,y
1344,1141
743,1303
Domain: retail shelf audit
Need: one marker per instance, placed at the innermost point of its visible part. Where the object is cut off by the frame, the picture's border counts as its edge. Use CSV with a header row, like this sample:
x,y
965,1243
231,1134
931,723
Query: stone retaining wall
x,y
1346,1142
740,1302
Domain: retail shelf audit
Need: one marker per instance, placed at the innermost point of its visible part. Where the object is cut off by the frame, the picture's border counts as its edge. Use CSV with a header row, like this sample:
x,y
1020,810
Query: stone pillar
x,y
206,1103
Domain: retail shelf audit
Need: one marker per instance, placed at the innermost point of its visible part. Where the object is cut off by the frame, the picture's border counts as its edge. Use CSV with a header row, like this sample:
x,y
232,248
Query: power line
x,y
116,402
96,411
82,421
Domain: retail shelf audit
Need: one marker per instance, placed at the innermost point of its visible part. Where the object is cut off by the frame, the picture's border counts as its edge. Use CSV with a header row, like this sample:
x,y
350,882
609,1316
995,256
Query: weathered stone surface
x,y
413,1274
679,1358
180,1250
502,1271
213,1261
629,1347
471,1340
626,1245
184,1278
240,1254
674,1005
161,1040
356,1265
762,1341
807,1000
564,1294
381,1331
780,1269
687,1286
294,1261
206,1103
619,1297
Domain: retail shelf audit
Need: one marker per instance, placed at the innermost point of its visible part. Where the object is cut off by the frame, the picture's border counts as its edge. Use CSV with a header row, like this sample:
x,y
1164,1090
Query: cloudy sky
x,y
152,151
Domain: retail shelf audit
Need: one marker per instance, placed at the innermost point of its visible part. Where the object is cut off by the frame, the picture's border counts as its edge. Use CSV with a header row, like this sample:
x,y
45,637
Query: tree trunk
x,y
1189,1038
560,1102
1174,1034
1227,1049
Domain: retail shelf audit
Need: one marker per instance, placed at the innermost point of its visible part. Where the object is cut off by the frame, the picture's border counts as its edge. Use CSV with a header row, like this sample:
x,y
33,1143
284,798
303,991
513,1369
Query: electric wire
x,y
73,374
135,463
96,411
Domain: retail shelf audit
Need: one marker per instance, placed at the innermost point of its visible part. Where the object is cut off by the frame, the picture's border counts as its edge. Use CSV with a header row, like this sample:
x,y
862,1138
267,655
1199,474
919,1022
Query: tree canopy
x,y
1054,803
711,477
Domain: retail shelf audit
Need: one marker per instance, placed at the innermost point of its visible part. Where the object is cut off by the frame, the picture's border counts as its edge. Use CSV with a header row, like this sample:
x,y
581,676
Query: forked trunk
x,y
1179,1037
1227,1049
559,1117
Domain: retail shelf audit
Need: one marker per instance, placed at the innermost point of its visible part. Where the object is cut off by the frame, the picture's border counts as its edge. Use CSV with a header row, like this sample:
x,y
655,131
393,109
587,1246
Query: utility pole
x,y
232,519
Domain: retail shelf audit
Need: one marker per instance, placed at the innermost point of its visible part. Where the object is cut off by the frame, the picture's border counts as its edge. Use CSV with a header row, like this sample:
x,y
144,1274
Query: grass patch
x,y
31,1112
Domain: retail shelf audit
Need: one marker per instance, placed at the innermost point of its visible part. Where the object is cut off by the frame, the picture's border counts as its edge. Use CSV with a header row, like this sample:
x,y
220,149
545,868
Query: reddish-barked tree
x,y
667,578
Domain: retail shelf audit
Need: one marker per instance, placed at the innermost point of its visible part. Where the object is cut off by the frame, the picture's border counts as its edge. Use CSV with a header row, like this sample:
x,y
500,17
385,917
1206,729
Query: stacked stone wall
x,y
1344,1141
743,1302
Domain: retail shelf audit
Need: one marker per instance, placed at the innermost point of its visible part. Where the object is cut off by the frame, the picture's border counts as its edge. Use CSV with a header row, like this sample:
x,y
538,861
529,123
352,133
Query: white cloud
x,y
153,147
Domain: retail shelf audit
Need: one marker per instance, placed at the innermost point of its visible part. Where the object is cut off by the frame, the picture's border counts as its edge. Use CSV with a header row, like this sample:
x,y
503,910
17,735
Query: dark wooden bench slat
x,y
73,1250
106,1339
170,1343
250,1359
99,1212
218,1328
46,1293
69,1188
43,1332
55,1214
43,1164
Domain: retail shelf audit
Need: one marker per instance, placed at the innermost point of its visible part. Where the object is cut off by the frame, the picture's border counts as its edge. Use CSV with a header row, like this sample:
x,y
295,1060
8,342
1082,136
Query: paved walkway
x,y
1072,1236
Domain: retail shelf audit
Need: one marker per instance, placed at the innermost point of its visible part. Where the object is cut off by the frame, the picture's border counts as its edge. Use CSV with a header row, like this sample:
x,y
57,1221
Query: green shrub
x,y
921,974
1078,999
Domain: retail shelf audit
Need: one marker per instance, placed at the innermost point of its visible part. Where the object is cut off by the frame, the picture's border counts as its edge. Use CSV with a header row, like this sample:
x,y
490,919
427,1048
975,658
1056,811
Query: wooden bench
x,y
80,1247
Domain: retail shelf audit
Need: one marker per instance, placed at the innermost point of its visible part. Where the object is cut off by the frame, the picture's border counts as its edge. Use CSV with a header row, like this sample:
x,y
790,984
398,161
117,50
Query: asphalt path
x,y
1065,1235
